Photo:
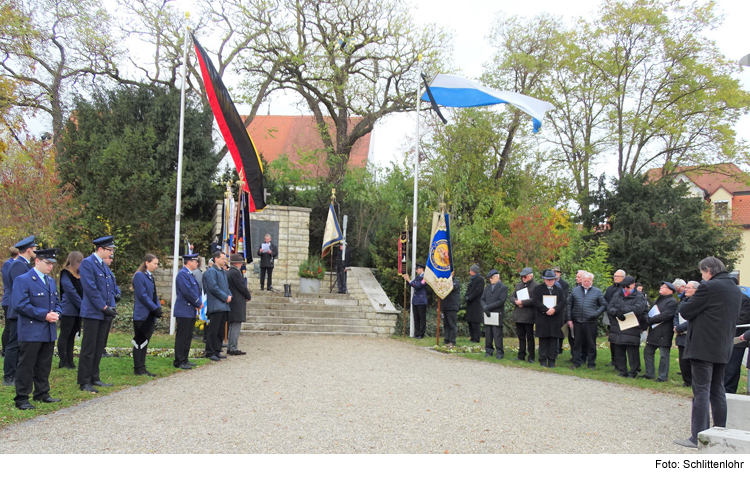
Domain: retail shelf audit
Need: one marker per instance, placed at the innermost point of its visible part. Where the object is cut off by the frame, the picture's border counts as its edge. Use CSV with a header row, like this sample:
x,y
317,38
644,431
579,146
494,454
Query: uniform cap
x,y
48,254
104,242
26,243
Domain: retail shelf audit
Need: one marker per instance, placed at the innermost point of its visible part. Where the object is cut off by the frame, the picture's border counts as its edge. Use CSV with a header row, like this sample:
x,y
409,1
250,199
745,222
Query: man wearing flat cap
x,y
493,301
523,314
38,308
22,264
473,297
419,301
97,312
187,301
660,331
238,306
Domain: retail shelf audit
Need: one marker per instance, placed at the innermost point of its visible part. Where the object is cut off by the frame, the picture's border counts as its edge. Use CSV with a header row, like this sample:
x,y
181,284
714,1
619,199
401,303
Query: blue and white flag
x,y
202,313
454,91
332,234
438,271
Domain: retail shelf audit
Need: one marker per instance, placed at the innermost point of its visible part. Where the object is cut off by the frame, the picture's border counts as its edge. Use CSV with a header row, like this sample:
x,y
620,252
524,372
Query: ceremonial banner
x,y
332,234
241,147
439,266
403,239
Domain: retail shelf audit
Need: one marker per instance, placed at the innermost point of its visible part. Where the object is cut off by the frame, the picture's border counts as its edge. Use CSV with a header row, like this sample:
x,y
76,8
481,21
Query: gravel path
x,y
360,395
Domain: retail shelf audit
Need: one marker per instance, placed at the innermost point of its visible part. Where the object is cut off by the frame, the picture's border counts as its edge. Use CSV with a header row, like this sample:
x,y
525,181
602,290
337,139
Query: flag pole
x,y
330,275
437,341
414,216
406,249
178,202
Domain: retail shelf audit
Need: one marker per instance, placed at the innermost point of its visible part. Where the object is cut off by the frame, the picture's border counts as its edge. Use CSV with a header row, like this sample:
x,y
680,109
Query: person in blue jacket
x,y
146,309
7,292
218,297
35,301
187,301
419,301
97,312
22,264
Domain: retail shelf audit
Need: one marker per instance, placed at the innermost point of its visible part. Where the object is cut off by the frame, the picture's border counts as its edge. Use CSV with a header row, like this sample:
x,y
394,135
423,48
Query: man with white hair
x,y
585,306
679,285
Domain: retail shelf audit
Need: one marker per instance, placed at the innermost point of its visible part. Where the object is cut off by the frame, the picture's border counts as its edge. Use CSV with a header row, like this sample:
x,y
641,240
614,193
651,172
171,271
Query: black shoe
x,y
659,380
518,358
631,375
47,399
551,365
25,406
499,357
647,377
100,383
269,289
192,364
9,382
687,385
611,364
89,388
531,360
214,358
185,366
148,373
487,355
687,443
575,367
591,367
233,352
221,356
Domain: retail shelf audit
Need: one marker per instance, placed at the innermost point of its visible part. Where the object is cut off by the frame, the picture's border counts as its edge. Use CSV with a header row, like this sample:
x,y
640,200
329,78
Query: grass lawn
x,y
117,370
602,372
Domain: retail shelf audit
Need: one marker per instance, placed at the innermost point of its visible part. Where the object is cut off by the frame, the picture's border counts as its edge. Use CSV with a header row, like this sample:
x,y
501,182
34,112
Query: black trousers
x,y
584,344
450,327
69,326
548,350
525,332
142,332
95,333
5,329
633,354
215,333
263,272
183,336
708,389
420,320
34,366
732,370
685,368
10,363
475,331
494,334
341,280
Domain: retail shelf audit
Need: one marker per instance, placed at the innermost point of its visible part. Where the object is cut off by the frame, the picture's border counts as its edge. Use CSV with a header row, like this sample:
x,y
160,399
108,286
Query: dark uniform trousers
x,y
340,280
142,332
525,332
34,366
449,326
95,333
584,344
182,338
420,320
69,326
214,333
708,388
11,349
5,330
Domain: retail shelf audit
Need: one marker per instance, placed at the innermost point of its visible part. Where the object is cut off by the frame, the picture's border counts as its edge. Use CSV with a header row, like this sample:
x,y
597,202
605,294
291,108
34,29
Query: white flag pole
x,y
414,217
178,202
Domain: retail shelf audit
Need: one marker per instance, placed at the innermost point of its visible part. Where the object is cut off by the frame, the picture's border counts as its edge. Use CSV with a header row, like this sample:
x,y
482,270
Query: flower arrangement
x,y
311,268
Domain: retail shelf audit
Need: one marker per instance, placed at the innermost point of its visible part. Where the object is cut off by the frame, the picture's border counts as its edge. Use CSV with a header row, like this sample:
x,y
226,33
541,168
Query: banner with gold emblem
x,y
439,266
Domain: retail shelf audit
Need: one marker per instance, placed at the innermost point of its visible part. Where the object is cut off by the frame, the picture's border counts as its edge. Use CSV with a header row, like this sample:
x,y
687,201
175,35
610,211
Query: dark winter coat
x,y
712,314
473,299
525,313
452,302
620,305
240,295
493,301
585,307
743,319
662,334
548,326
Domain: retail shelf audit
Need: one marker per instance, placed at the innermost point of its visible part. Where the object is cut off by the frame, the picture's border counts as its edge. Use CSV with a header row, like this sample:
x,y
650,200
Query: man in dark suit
x,y
712,313
97,312
493,301
187,301
21,265
268,252
36,303
474,314
238,306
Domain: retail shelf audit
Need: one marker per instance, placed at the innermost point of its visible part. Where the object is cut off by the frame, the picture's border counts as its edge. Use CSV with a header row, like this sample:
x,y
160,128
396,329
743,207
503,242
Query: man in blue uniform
x,y
20,266
37,306
97,312
7,292
418,301
187,301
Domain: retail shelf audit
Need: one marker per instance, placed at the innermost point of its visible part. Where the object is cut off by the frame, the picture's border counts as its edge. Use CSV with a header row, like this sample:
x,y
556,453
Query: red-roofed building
x,y
298,137
727,188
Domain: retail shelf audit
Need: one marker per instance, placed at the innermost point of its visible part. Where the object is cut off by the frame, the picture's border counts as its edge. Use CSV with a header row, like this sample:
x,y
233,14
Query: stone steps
x,y
305,328
349,306
304,314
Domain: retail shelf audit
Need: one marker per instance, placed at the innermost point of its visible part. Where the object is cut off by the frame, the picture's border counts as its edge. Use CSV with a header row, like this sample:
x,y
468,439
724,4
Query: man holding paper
x,y
549,315
523,314
493,305
627,314
660,330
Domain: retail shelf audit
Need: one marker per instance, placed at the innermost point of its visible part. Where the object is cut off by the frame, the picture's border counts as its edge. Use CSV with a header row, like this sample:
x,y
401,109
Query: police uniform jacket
x,y
7,288
712,314
548,326
188,294
661,335
240,295
98,288
18,267
420,290
217,290
525,313
33,299
70,294
145,300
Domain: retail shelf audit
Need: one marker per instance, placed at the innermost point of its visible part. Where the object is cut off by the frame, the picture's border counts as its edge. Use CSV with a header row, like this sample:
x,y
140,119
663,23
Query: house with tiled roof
x,y
298,138
727,188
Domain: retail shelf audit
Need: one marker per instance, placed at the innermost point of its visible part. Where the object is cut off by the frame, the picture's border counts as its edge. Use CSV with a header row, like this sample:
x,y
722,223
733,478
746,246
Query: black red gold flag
x,y
239,143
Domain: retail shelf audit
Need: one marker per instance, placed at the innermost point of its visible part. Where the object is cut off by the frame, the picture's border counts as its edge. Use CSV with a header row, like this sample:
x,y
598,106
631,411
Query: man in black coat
x,y
566,290
608,293
712,313
660,330
474,314
523,315
268,252
734,366
493,301
450,306
238,305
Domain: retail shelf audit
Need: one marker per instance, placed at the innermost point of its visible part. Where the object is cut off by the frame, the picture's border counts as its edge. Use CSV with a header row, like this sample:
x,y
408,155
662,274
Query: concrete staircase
x,y
308,314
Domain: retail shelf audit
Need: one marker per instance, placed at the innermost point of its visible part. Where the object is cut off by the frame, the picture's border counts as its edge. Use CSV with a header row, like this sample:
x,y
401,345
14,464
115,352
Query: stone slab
x,y
738,412
718,440
374,292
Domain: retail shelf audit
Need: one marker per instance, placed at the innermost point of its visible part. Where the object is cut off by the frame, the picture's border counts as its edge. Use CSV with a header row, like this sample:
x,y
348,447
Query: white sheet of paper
x,y
631,321
605,319
549,300
265,247
654,311
493,319
682,320
523,294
